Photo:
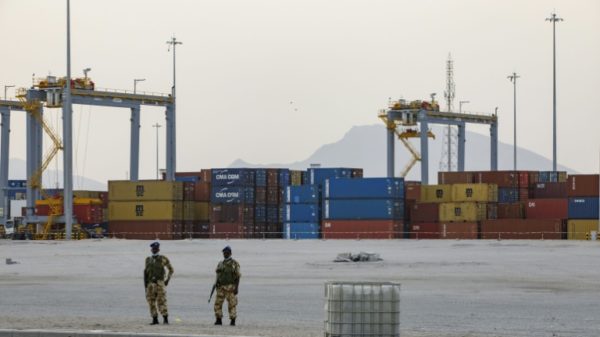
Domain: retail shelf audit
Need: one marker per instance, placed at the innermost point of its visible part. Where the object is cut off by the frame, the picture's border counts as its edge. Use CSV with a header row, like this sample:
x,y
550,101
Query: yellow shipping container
x,y
154,190
87,194
475,192
188,211
462,211
145,210
436,193
201,210
580,229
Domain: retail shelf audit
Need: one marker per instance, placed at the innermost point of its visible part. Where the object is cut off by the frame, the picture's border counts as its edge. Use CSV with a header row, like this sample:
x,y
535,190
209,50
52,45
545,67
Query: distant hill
x,y
365,146
17,171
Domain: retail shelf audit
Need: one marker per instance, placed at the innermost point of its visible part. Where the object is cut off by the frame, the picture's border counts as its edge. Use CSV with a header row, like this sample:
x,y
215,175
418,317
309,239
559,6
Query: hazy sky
x,y
242,62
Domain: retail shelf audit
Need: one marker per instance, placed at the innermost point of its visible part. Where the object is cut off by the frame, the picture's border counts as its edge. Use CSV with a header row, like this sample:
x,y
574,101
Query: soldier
x,y
155,283
228,280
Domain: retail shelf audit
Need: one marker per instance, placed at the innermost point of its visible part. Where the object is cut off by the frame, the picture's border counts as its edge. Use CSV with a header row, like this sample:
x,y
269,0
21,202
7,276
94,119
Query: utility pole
x,y
156,126
554,19
6,87
135,83
513,79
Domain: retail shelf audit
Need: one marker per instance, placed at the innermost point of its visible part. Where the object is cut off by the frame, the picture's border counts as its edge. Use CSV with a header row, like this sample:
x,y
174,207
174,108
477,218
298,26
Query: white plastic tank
x,y
362,309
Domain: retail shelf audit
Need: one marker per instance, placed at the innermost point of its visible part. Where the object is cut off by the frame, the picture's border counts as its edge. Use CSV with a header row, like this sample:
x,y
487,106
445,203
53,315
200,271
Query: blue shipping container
x,y
260,214
12,193
233,177
301,230
305,194
318,176
364,188
359,209
261,177
231,195
583,208
272,214
190,179
508,195
302,213
284,177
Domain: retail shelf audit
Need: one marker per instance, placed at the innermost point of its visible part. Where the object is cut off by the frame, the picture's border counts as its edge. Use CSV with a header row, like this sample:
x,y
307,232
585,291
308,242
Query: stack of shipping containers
x,y
301,212
150,209
196,203
367,208
232,209
582,191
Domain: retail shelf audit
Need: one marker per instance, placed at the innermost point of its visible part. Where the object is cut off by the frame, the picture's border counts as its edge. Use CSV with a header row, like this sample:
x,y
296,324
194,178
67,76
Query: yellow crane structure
x,y
34,108
407,132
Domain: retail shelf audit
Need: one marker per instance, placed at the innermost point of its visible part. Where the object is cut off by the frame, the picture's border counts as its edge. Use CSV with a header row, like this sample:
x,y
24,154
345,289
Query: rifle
x,y
212,291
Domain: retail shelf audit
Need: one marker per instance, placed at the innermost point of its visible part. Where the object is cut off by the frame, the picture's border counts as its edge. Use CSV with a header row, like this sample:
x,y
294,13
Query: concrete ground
x,y
449,288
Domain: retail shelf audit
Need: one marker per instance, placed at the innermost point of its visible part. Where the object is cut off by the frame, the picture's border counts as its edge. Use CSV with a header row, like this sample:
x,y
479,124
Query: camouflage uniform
x,y
228,278
155,282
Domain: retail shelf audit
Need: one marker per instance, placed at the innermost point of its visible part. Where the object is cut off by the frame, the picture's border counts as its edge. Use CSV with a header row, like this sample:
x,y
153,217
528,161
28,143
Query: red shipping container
x,y
273,194
195,230
408,204
425,212
523,179
272,177
528,229
226,231
145,230
260,195
205,175
459,230
534,177
492,211
500,178
356,173
455,178
511,211
523,194
202,191
425,230
547,209
232,213
549,191
360,229
85,214
583,185
412,190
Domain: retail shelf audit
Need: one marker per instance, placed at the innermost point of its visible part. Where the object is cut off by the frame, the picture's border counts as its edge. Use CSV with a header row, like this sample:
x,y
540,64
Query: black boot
x,y
232,321
154,320
165,319
218,321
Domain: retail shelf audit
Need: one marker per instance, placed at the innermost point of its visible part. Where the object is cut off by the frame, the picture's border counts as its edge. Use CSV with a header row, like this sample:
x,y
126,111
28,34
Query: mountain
x,y
365,146
17,171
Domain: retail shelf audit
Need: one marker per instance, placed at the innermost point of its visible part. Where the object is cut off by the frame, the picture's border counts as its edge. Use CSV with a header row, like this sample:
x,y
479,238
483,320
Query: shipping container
x,y
459,230
273,195
231,195
583,208
360,229
583,185
201,211
463,211
84,213
425,212
499,178
261,178
188,211
528,229
195,230
260,214
17,183
301,230
188,191
227,231
302,194
296,178
491,211
523,177
436,193
548,191
523,194
546,209
317,176
362,209
284,177
357,173
425,230
272,214
365,188
580,229
145,190
240,177
455,178
202,191
510,211
272,177
508,195
145,210
412,190
232,213
260,195
552,177
302,213
474,192
145,230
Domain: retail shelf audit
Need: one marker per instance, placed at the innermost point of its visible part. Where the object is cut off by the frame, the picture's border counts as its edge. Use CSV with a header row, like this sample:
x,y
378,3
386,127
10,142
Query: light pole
x,y
6,87
68,138
156,126
135,83
171,122
513,79
460,103
554,19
